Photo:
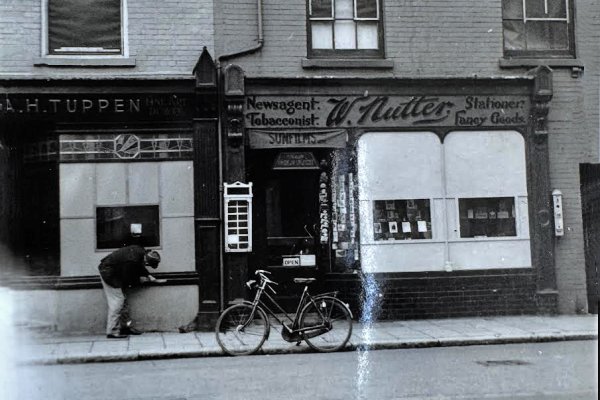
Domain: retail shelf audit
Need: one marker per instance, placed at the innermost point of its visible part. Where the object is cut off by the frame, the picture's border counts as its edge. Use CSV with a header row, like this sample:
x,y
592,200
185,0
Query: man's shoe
x,y
130,331
116,336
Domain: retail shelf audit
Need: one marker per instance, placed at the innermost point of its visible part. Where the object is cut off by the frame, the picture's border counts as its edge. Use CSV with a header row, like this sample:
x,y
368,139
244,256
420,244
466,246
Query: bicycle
x,y
323,321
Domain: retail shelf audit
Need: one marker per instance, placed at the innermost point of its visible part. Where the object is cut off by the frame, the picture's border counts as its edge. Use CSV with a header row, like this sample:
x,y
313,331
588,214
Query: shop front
x,y
89,167
419,198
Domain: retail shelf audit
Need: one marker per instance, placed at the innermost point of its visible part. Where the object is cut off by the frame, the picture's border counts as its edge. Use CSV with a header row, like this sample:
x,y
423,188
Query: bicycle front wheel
x,y
242,331
328,323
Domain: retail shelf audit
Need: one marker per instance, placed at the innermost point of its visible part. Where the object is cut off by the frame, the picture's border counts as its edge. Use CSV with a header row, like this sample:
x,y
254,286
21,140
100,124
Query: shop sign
x,y
295,160
260,139
95,106
385,111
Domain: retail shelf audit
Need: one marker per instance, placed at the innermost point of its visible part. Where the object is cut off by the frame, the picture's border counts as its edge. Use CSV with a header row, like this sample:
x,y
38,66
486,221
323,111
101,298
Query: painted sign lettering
x,y
263,139
384,111
70,106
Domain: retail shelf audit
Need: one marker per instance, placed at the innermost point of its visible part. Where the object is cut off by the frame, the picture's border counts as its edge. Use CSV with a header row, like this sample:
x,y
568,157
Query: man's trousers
x,y
118,309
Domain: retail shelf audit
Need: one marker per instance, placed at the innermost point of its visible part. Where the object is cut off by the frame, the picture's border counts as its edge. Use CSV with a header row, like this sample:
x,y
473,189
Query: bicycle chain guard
x,y
299,336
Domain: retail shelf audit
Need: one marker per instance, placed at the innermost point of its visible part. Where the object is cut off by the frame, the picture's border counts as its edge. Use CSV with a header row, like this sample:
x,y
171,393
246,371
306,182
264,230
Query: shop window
x,y
538,28
487,217
348,28
401,219
85,27
457,194
121,226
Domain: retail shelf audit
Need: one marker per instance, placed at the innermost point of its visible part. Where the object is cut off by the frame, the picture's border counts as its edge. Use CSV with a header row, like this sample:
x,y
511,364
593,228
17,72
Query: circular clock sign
x,y
127,146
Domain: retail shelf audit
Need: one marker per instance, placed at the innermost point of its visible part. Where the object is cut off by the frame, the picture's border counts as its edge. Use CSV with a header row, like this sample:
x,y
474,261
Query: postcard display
x,y
401,219
344,227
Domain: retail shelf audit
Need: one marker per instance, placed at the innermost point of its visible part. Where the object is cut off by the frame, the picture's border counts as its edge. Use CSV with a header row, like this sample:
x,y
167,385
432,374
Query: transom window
x,y
84,27
538,28
348,27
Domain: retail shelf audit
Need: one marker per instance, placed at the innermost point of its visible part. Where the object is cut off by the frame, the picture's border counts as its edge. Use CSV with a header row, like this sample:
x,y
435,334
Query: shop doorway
x,y
29,199
590,196
287,196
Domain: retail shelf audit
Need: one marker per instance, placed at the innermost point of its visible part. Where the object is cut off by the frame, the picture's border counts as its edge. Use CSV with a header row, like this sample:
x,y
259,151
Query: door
x,y
286,220
590,196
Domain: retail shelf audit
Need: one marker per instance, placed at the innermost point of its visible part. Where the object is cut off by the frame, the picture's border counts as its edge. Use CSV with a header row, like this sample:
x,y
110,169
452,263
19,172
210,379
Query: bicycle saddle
x,y
304,280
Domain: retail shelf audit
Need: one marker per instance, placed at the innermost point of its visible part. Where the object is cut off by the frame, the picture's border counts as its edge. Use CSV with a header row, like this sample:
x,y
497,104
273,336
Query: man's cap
x,y
152,257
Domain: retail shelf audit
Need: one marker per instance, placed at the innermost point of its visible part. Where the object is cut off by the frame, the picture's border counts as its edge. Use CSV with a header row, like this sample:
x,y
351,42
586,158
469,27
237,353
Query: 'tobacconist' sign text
x,y
384,111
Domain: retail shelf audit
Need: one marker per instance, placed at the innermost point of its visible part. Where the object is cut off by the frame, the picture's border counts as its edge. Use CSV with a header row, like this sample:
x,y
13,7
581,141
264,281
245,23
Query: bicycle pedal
x,y
298,343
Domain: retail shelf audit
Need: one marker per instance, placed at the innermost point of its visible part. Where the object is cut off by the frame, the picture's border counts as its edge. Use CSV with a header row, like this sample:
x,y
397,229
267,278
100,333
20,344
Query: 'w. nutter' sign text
x,y
385,111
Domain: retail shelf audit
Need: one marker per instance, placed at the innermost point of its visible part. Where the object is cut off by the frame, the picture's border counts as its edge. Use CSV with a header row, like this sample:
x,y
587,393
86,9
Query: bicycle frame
x,y
304,299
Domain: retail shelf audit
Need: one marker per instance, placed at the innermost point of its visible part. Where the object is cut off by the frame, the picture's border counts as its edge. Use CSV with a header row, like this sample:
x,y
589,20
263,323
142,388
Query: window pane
x,y
537,8
557,8
322,35
344,9
514,35
401,219
321,9
366,8
345,35
122,226
547,35
487,217
93,24
367,35
512,9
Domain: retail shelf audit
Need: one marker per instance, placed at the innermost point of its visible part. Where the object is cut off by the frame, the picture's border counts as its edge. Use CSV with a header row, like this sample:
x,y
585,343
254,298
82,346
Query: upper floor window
x,y
538,28
85,27
345,28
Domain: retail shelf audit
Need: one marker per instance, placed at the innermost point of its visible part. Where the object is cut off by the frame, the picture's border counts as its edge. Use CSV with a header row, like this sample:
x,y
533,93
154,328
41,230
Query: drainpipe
x,y
250,50
220,59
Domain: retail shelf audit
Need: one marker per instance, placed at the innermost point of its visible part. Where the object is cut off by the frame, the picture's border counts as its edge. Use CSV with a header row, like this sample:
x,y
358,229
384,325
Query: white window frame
x,y
355,19
45,51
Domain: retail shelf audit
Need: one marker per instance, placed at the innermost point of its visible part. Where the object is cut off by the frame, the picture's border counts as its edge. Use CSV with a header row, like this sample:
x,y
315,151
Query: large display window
x,y
401,219
427,205
487,217
121,226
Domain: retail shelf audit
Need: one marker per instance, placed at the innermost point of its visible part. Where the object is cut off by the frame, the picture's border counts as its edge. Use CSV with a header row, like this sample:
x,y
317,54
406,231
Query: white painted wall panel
x,y
490,254
399,165
77,190
485,164
177,240
177,188
402,256
77,247
143,183
111,184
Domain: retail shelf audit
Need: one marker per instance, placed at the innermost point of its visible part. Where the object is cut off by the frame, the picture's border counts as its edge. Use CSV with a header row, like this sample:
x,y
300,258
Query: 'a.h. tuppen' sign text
x,y
95,106
385,111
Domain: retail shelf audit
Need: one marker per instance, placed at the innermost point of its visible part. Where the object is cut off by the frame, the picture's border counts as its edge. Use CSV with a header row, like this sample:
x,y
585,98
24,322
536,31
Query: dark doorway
x,y
286,219
590,196
29,199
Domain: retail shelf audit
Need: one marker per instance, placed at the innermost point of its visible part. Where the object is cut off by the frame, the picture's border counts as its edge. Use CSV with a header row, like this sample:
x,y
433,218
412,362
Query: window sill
x,y
347,63
84,62
575,64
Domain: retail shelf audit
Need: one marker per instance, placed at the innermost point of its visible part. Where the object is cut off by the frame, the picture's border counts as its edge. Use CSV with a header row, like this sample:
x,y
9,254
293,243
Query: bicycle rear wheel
x,y
240,331
329,316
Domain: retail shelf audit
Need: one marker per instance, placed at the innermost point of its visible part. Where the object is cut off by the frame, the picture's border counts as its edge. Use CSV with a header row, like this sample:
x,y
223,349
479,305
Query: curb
x,y
124,357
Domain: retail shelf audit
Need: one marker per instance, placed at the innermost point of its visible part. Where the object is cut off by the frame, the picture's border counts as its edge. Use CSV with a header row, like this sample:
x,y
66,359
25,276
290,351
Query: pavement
x,y
40,347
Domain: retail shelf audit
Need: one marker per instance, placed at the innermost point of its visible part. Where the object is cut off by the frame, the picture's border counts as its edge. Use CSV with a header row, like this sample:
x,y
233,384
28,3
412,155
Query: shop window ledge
x,y
84,62
92,281
347,63
573,63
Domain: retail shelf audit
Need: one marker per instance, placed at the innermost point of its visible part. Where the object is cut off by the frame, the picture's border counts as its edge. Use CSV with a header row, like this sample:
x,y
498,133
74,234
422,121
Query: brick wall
x,y
165,38
453,39
438,296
